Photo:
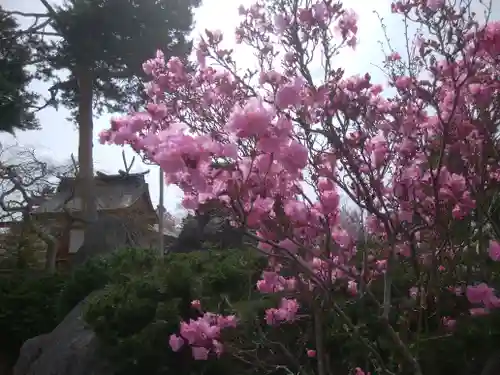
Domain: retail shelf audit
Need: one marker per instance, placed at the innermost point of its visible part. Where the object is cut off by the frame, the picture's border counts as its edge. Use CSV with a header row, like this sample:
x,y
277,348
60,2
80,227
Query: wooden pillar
x,y
62,257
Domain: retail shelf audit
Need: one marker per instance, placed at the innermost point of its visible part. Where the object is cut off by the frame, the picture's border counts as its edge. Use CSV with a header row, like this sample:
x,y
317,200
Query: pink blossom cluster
x,y
276,147
273,282
482,294
494,251
202,334
286,312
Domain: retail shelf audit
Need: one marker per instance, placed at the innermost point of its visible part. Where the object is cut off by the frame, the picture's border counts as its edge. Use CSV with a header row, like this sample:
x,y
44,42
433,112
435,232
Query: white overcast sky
x,y
58,137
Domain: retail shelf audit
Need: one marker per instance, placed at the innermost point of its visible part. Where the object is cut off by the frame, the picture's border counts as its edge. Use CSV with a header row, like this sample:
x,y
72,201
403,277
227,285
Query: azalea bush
x,y
276,146
133,316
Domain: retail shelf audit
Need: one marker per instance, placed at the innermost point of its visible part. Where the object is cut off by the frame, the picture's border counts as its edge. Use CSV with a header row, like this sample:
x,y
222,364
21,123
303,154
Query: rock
x,y
30,351
70,349
492,366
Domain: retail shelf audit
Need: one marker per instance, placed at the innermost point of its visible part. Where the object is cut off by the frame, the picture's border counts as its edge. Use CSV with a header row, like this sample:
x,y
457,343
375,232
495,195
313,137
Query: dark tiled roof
x,y
112,192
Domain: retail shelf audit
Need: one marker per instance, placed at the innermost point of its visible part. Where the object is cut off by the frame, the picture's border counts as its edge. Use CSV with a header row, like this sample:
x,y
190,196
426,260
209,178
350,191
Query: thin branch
x,y
75,164
36,31
127,166
53,14
36,26
49,240
31,179
24,14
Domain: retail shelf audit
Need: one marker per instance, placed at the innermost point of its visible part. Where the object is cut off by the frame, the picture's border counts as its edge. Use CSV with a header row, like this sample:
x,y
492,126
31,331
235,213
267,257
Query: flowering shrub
x,y
136,315
276,146
202,334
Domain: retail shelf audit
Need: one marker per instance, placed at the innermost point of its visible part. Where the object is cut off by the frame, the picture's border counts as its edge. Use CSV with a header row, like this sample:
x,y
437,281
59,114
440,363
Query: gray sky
x,y
58,138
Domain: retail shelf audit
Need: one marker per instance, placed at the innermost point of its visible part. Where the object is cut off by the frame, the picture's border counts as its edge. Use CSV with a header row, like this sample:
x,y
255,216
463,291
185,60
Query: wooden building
x,y
123,195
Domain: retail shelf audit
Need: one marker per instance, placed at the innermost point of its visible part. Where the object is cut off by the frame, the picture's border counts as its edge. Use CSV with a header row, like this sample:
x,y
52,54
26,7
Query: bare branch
x,y
75,164
36,31
24,14
53,14
37,24
127,166
25,182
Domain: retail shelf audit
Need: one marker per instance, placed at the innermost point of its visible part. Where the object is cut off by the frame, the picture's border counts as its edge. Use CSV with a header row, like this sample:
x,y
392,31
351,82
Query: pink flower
x,y
479,293
341,237
176,342
251,120
199,353
229,321
285,313
493,302
394,57
274,152
325,184
289,94
271,316
330,200
288,245
403,82
280,23
348,23
294,156
320,11
296,210
494,250
311,353
305,16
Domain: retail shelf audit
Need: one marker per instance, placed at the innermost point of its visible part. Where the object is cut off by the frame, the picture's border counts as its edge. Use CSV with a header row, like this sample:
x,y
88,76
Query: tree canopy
x,y
16,102
95,59
109,40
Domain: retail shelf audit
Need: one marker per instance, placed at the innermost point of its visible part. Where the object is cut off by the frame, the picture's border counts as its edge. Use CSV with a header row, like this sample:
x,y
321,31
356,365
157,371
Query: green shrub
x,y
27,308
141,299
135,313
33,303
135,317
98,272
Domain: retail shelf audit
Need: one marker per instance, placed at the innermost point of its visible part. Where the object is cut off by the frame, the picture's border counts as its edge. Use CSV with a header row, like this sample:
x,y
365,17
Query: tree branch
x,y
35,26
24,14
52,13
49,240
31,180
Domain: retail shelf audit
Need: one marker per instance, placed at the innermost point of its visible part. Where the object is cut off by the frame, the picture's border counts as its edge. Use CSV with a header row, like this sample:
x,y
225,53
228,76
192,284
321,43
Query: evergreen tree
x,y
102,45
16,102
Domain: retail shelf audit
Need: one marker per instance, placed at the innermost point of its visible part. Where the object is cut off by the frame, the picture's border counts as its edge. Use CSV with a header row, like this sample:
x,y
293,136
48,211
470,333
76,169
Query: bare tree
x,y
25,182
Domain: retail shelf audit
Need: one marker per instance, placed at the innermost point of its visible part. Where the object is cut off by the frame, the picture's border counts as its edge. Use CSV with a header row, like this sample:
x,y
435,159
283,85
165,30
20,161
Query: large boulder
x,y
70,349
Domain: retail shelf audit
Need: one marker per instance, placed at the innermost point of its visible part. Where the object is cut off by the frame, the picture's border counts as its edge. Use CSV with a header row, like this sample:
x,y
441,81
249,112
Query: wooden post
x,y
161,241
